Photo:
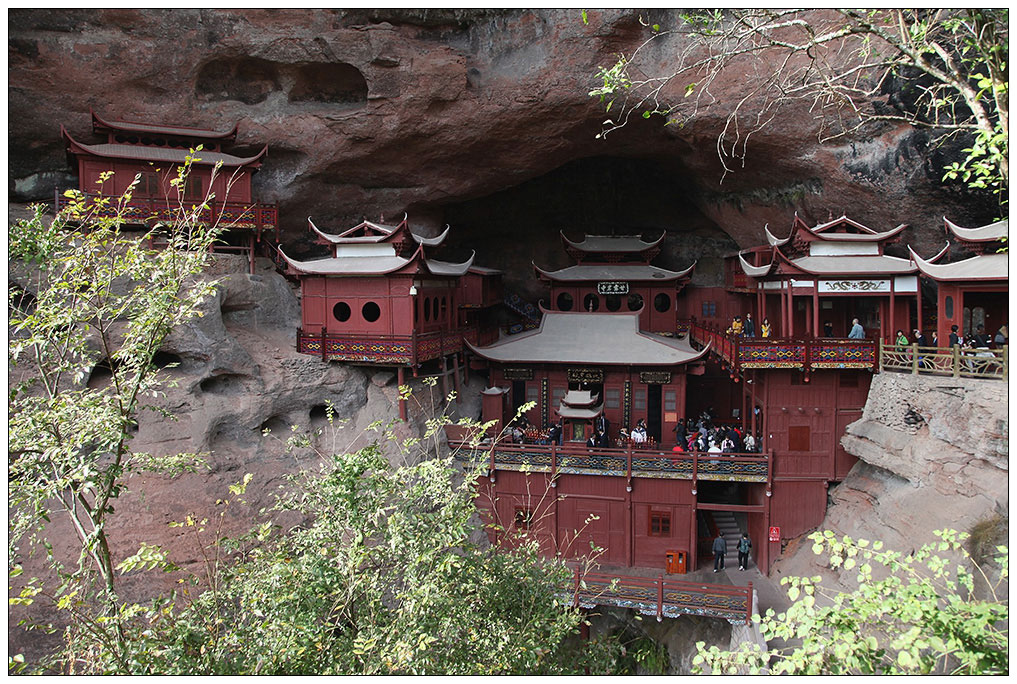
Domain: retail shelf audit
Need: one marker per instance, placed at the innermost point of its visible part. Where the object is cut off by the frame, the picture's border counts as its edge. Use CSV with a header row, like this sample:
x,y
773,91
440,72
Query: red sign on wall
x,y
775,534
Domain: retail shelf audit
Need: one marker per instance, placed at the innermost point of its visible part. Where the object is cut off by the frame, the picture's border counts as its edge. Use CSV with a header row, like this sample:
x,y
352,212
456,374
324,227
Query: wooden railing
x,y
661,597
630,462
256,216
742,353
408,350
956,361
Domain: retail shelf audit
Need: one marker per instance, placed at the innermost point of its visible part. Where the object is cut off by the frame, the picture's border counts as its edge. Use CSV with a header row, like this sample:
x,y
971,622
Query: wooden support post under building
x,y
455,375
444,376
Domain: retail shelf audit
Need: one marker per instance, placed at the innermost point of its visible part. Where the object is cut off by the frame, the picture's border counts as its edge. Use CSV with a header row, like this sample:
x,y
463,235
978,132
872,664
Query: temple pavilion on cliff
x,y
612,350
381,299
833,273
972,291
153,154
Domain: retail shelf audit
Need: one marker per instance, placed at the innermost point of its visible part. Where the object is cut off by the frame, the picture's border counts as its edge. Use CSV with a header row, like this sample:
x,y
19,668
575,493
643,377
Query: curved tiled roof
x,y
99,123
169,155
594,338
984,267
622,271
990,233
612,243
375,265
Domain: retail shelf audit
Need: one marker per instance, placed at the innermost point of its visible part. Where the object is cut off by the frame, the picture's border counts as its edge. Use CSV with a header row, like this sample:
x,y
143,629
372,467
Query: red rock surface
x,y
479,118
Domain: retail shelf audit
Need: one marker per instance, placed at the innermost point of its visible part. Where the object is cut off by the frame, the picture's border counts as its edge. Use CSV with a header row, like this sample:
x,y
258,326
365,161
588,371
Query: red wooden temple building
x,y
379,298
972,292
593,359
153,154
831,274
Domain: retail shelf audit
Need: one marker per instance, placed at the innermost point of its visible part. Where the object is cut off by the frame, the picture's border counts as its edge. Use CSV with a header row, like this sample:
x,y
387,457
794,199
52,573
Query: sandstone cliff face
x,y
236,374
950,469
454,116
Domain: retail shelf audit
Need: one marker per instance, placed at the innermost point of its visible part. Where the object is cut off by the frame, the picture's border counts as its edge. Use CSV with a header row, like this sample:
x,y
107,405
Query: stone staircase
x,y
727,524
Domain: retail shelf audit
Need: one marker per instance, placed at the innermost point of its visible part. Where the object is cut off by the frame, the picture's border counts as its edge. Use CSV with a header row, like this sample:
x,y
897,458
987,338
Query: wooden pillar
x,y
455,375
893,319
444,376
815,308
401,379
324,340
882,319
790,309
918,296
250,252
752,403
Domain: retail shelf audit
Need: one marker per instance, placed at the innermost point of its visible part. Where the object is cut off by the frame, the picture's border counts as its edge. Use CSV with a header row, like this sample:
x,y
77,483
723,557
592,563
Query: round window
x,y
635,302
565,302
371,312
662,302
613,302
341,311
591,302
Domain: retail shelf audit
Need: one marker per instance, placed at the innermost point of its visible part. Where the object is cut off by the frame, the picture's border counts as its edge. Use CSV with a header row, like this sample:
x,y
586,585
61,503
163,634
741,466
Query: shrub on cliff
x,y
914,613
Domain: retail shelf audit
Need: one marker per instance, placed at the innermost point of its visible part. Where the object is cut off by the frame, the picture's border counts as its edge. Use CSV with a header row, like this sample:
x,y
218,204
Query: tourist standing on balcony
x,y
827,329
750,444
601,424
920,338
680,435
902,339
981,338
719,551
1001,336
955,339
744,544
750,326
764,329
857,331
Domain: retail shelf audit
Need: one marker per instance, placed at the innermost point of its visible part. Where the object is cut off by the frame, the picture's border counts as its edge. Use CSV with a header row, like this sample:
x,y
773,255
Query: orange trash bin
x,y
677,563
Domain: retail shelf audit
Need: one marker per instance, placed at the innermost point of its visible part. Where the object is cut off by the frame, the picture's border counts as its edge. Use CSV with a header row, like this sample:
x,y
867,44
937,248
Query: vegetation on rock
x,y
945,70
911,613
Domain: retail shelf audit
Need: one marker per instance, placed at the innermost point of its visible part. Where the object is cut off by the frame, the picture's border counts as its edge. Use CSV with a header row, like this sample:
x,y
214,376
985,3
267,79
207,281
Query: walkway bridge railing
x,y
953,361
630,462
745,353
661,597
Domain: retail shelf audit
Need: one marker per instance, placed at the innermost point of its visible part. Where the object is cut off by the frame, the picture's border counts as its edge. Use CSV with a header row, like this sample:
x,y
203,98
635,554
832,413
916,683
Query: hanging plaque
x,y
588,375
518,373
655,377
613,288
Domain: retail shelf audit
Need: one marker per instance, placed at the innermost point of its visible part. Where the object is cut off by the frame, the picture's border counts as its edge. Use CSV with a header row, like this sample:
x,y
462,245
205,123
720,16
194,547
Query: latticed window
x,y
709,309
660,523
612,398
639,399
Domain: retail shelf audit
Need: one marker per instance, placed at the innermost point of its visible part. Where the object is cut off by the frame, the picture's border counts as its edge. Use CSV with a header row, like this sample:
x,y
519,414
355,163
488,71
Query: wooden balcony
x,y
258,217
662,597
395,350
953,362
745,353
628,463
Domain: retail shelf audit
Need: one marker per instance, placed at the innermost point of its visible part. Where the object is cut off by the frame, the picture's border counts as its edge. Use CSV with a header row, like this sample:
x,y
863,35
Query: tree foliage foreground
x,y
388,571
909,613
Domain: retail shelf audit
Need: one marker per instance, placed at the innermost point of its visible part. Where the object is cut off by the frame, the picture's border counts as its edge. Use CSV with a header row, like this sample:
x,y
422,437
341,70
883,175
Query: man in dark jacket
x,y
719,551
